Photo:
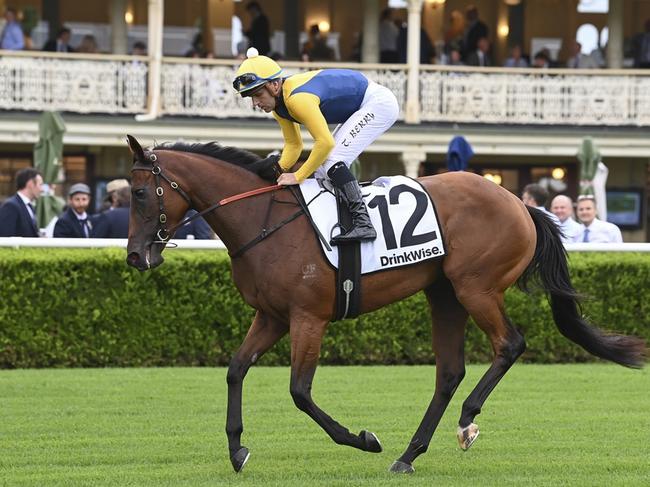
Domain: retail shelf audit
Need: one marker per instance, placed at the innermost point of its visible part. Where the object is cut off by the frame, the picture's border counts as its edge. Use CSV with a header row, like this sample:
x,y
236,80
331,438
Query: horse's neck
x,y
218,181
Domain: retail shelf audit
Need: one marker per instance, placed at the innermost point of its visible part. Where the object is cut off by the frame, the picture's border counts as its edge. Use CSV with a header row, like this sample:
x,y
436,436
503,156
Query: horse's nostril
x,y
132,258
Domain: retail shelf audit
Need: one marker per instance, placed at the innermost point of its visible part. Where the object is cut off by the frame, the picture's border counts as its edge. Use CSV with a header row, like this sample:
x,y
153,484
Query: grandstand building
x,y
524,124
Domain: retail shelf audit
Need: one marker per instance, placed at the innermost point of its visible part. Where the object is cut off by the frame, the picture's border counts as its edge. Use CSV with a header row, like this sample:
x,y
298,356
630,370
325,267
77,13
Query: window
x,y
587,35
604,36
593,6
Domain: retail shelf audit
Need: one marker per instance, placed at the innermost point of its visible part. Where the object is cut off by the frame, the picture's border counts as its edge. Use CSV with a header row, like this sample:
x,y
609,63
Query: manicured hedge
x,y
86,308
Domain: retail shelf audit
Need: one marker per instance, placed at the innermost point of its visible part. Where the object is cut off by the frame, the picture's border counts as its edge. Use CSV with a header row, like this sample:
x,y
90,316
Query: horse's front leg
x,y
306,335
262,335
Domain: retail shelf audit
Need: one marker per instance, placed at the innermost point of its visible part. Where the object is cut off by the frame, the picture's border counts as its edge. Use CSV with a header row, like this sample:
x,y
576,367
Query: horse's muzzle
x,y
147,259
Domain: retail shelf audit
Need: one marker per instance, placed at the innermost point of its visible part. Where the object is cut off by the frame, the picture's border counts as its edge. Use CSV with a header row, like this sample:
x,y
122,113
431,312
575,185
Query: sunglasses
x,y
250,79
588,197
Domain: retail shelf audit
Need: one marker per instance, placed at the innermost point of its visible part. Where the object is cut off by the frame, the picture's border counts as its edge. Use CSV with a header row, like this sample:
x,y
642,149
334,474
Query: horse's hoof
x,y
467,436
371,442
401,467
240,458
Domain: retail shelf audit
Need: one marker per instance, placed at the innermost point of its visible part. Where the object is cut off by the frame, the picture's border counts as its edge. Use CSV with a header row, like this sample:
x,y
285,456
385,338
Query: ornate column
x,y
412,160
119,36
615,43
412,112
154,51
370,47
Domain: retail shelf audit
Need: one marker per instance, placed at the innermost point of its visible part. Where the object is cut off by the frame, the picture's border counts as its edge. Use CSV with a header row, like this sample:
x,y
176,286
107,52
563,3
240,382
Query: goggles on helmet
x,y
248,81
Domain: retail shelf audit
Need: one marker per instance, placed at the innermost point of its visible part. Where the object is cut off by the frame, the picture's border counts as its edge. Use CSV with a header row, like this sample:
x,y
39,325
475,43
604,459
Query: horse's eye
x,y
140,194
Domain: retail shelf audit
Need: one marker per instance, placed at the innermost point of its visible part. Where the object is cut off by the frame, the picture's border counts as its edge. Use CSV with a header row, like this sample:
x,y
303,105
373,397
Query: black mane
x,y
233,155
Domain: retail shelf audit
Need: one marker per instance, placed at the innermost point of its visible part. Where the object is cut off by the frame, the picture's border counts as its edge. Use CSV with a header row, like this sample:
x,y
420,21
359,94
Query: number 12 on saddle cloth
x,y
402,213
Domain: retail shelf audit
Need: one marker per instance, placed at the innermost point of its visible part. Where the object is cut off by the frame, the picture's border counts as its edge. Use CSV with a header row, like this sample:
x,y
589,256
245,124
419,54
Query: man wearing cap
x,y
363,109
74,222
111,192
18,213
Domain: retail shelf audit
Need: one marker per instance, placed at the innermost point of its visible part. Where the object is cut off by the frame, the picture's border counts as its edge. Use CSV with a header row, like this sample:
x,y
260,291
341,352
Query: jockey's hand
x,y
287,179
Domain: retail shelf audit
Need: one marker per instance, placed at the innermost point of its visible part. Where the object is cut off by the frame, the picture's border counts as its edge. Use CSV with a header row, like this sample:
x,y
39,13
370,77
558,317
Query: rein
x,y
163,234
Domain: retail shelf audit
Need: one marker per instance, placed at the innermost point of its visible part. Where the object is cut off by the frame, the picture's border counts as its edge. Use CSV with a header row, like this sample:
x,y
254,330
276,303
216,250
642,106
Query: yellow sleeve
x,y
305,108
292,142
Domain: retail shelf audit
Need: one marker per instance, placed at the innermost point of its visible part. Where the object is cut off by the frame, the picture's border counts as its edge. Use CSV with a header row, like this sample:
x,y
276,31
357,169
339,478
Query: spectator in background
x,y
196,229
454,57
357,46
641,47
12,37
454,32
114,223
427,51
139,49
592,229
516,59
541,60
259,32
61,43
577,59
74,222
388,34
316,48
481,56
88,45
475,29
110,200
535,195
562,208
18,213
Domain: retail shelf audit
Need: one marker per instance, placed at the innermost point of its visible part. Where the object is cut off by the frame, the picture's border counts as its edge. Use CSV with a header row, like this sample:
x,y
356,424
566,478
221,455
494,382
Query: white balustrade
x,y
76,83
204,88
199,87
557,97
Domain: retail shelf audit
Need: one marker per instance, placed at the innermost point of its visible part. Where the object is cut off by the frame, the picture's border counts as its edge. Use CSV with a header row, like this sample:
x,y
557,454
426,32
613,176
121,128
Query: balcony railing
x,y
78,83
202,87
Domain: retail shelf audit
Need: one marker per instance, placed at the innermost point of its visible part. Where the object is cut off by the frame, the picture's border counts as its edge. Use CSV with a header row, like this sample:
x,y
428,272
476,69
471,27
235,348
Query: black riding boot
x,y
350,191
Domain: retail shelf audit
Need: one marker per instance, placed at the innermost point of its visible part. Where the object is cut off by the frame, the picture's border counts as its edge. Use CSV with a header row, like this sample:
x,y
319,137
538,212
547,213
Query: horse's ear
x,y
135,148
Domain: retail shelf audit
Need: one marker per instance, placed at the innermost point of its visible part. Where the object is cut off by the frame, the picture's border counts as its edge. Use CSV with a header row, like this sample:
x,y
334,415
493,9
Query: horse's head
x,y
157,204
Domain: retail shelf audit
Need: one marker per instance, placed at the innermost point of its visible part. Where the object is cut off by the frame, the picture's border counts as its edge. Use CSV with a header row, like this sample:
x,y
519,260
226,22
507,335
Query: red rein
x,y
254,192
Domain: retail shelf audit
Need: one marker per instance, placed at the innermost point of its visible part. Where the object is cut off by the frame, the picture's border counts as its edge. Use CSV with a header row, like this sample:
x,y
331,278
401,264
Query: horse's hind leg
x,y
262,335
508,344
449,319
306,335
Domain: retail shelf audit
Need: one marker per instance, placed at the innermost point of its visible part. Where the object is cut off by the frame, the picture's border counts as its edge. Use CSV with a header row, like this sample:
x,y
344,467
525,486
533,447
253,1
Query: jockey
x,y
362,109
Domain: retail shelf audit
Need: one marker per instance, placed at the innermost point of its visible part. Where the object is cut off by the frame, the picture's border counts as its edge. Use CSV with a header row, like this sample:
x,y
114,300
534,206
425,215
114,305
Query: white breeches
x,y
377,113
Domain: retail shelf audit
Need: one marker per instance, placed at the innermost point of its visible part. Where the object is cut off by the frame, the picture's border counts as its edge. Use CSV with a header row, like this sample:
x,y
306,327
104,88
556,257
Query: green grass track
x,y
550,425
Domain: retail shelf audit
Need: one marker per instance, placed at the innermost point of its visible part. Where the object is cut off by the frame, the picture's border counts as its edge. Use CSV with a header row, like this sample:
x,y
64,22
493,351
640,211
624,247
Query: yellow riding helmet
x,y
254,72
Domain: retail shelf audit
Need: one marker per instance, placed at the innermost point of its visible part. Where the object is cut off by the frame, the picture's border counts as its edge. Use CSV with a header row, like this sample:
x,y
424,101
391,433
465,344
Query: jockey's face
x,y
265,99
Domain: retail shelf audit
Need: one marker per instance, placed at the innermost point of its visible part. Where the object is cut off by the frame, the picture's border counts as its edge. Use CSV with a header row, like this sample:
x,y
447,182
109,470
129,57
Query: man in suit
x,y
475,29
258,34
197,229
481,56
18,214
61,43
74,222
114,222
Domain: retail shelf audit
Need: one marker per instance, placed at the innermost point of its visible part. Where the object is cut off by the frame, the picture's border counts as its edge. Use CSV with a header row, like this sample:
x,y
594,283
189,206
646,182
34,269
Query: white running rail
x,y
20,242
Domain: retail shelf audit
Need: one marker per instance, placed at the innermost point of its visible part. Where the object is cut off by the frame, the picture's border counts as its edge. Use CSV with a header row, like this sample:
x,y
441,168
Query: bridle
x,y
163,234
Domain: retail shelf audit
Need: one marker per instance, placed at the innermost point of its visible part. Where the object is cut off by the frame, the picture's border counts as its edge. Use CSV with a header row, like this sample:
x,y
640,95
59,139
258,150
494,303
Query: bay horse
x,y
492,239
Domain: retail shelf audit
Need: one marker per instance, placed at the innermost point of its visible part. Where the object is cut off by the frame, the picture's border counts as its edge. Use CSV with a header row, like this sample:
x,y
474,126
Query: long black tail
x,y
550,266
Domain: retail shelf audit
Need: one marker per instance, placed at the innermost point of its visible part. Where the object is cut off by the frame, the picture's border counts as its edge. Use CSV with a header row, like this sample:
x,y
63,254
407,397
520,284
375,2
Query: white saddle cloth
x,y
401,212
